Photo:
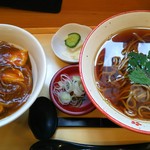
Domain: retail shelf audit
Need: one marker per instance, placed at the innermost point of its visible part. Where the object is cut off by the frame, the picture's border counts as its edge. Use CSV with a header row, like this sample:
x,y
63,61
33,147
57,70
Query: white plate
x,y
58,44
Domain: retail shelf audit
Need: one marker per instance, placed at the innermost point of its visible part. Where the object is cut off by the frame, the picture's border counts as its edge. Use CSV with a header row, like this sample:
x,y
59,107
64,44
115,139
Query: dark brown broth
x,y
104,65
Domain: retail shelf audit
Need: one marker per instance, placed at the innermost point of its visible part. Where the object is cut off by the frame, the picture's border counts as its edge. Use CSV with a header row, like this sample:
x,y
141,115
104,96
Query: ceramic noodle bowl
x,y
114,64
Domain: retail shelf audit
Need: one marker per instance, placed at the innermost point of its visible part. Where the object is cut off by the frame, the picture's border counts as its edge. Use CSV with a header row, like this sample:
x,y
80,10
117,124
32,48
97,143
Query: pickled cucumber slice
x,y
72,40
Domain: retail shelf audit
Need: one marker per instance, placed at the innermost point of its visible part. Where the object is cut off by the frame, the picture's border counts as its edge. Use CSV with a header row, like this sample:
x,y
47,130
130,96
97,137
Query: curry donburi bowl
x,y
33,53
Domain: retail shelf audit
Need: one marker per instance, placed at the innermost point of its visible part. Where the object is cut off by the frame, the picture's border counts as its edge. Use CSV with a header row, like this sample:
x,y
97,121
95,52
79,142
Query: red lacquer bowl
x,y
84,108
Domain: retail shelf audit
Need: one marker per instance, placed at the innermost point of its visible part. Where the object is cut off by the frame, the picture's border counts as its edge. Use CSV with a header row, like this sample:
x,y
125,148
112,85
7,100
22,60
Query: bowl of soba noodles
x,y
22,73
114,66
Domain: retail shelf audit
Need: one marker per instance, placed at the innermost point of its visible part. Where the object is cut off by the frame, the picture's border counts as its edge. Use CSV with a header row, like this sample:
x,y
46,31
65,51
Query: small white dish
x,y
58,41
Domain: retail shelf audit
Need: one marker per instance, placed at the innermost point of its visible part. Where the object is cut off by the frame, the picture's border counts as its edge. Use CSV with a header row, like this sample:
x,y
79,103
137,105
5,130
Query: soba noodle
x,y
111,73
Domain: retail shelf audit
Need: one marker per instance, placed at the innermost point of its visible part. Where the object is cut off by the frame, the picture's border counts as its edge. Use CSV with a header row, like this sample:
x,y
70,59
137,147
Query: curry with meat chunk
x,y
15,78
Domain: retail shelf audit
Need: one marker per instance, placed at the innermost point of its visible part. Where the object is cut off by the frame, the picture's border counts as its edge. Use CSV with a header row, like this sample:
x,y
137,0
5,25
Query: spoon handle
x,y
63,145
86,122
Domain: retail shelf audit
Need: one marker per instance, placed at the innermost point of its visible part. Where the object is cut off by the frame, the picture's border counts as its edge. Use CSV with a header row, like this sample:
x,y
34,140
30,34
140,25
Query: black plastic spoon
x,y
43,120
